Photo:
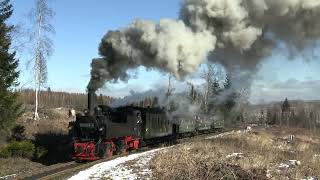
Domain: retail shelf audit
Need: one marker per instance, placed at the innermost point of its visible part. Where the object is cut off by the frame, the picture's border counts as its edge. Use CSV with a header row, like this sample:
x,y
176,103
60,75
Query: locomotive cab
x,y
123,122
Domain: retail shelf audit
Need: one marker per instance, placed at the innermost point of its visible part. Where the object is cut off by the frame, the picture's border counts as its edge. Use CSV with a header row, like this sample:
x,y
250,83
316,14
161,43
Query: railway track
x,y
52,173
59,170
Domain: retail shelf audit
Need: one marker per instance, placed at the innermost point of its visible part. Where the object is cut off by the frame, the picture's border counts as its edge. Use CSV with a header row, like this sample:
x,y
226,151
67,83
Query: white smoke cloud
x,y
238,34
169,46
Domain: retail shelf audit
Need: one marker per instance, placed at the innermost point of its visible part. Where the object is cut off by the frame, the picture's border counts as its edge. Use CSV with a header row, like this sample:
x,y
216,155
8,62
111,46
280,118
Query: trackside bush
x,y
25,149
4,153
40,152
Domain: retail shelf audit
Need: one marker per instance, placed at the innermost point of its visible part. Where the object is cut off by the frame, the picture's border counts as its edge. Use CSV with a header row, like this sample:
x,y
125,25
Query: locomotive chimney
x,y
91,101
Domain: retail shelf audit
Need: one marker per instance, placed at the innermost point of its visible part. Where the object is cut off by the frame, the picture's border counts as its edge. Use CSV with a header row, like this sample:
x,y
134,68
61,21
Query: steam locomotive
x,y
103,131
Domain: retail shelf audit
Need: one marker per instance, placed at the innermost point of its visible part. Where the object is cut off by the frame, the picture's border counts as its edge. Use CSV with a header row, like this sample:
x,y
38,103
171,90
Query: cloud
x,y
291,88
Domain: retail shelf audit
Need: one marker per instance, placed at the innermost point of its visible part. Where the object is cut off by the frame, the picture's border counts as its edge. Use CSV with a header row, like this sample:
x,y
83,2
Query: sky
x,y
80,25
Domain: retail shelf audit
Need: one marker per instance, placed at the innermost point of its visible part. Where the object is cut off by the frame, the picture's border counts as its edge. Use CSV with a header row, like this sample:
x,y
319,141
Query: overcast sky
x,y
80,25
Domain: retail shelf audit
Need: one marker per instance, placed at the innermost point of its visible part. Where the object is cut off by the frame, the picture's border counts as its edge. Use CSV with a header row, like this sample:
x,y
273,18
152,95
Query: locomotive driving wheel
x,y
109,150
121,147
101,150
105,150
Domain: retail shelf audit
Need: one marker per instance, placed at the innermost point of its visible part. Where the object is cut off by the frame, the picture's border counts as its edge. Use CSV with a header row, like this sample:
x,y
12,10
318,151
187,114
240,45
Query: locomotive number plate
x,y
86,125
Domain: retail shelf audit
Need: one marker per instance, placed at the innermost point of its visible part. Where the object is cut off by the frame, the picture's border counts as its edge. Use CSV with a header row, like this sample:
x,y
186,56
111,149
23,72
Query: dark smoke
x,y
238,34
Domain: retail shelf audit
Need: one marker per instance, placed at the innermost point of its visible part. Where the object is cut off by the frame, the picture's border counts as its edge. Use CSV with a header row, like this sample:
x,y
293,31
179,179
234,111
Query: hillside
x,y
257,154
304,114
52,99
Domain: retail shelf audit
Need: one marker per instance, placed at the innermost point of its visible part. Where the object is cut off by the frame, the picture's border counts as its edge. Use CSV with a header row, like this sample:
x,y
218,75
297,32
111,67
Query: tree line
x,y
287,114
51,99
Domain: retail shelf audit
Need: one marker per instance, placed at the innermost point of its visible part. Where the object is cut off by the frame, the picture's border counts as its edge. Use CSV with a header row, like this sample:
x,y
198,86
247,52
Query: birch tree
x,y
211,86
41,31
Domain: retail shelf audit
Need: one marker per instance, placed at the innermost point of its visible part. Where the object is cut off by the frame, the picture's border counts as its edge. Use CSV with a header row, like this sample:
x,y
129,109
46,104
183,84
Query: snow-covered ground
x,y
134,166
228,133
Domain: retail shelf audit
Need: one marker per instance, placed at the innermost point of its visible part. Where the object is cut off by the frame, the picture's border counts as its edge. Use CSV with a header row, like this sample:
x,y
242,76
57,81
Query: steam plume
x,y
233,33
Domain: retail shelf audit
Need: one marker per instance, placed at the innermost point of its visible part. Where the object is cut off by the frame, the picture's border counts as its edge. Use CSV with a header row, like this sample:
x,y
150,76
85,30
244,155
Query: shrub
x,y
18,133
4,153
24,149
40,152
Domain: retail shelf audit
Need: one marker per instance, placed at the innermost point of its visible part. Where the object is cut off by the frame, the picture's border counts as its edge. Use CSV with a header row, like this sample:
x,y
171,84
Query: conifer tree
x,y
285,106
9,108
230,101
285,112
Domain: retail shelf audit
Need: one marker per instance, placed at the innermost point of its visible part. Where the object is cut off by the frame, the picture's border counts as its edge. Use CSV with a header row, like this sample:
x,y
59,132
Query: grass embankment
x,y
264,154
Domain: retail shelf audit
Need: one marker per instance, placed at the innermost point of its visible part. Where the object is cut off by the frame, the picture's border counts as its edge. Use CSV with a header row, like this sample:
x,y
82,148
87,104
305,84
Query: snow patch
x,y
229,133
285,167
220,135
8,176
294,162
235,155
310,178
115,169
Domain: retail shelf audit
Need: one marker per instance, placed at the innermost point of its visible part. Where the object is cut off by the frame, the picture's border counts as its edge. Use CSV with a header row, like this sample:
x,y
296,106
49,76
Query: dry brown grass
x,y
52,121
17,166
263,152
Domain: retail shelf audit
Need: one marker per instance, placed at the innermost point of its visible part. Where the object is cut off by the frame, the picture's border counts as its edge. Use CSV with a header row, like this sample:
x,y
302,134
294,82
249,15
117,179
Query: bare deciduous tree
x,y
41,16
170,89
210,76
193,93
